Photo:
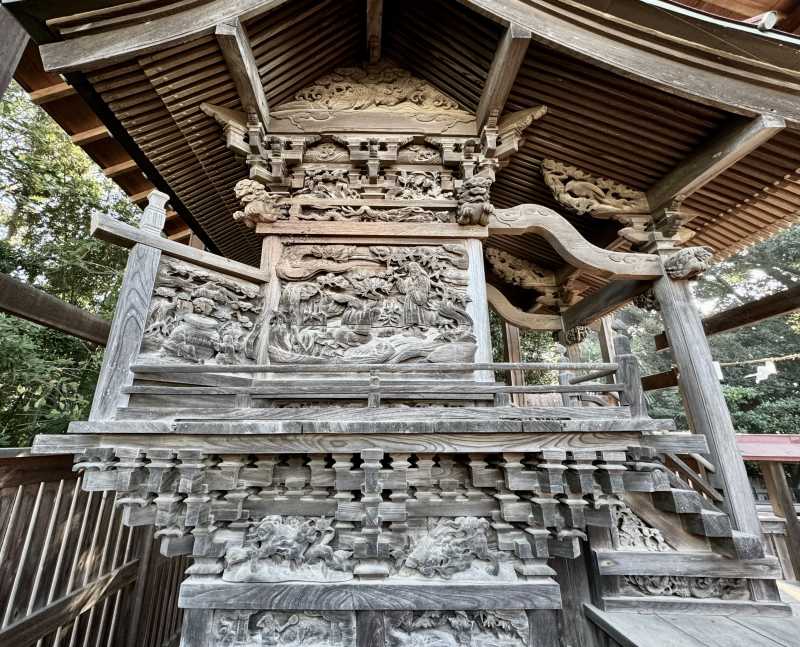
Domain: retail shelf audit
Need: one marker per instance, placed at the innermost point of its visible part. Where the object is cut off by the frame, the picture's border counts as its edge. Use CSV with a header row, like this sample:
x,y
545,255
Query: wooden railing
x,y
70,572
380,381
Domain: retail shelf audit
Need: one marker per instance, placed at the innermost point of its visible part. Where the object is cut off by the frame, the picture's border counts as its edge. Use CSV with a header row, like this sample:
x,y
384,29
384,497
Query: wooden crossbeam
x,y
738,139
125,235
506,63
602,302
241,62
118,169
519,318
90,136
374,29
52,93
774,305
23,300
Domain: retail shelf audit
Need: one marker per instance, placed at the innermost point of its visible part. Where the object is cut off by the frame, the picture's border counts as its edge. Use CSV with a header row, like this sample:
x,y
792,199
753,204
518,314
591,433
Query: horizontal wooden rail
x,y
120,233
595,375
374,368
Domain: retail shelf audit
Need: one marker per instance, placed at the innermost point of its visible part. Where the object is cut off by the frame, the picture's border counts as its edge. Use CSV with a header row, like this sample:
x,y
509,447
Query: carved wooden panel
x,y
366,304
201,316
284,628
493,628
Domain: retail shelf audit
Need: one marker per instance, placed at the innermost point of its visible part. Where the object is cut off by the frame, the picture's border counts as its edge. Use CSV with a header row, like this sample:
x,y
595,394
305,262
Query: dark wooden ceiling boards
x,y
605,122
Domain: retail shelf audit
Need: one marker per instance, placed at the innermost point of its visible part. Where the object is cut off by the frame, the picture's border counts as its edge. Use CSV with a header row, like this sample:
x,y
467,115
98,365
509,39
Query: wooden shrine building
x,y
304,403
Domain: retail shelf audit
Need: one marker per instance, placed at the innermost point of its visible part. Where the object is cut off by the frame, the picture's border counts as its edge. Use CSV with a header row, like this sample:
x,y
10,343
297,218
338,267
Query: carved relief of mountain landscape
x,y
360,304
491,628
201,316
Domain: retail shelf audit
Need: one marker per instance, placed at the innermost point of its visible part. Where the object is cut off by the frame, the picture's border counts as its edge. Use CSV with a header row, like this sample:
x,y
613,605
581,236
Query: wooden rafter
x,y
374,29
506,63
238,55
738,139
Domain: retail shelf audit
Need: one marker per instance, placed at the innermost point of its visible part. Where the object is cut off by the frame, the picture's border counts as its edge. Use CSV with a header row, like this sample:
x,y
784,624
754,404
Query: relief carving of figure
x,y
418,185
488,628
202,316
285,628
258,204
474,207
372,304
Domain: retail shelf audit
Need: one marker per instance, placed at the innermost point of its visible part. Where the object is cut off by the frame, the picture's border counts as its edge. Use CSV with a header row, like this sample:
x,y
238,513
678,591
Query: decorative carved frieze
x,y
372,304
287,549
201,316
234,628
686,587
259,204
519,271
391,97
689,262
457,628
586,194
634,534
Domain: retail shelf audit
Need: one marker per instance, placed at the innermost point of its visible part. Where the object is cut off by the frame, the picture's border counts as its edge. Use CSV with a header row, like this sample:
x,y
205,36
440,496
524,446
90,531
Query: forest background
x,y
49,189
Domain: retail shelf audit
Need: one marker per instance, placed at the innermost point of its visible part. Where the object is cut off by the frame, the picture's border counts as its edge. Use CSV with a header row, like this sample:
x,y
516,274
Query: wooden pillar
x,y
783,505
703,398
13,39
130,315
513,354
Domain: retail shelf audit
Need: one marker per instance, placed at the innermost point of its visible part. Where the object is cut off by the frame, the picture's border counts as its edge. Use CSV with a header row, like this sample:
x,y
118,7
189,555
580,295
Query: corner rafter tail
x,y
507,60
241,62
571,245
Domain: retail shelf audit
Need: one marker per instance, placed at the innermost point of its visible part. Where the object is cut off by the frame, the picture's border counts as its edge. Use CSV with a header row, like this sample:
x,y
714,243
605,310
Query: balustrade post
x,y
130,315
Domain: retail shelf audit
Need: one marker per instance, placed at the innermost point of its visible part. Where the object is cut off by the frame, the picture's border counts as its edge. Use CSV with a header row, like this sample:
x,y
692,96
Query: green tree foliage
x,y
48,191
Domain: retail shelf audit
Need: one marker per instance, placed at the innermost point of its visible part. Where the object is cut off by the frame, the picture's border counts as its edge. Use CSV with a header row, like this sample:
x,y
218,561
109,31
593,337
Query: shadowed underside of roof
x,y
607,123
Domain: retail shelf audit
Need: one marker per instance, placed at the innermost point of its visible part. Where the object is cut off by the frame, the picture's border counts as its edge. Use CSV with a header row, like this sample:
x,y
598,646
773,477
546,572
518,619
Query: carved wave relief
x,y
284,628
358,304
201,316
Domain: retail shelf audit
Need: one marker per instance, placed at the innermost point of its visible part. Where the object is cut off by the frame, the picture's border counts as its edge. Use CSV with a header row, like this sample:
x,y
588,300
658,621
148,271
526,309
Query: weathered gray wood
x,y
600,303
348,443
243,69
13,39
374,30
740,137
348,229
47,619
704,400
717,631
783,505
536,593
506,63
570,244
546,626
23,300
783,632
685,564
130,315
633,630
370,629
370,368
125,235
682,606
91,51
573,577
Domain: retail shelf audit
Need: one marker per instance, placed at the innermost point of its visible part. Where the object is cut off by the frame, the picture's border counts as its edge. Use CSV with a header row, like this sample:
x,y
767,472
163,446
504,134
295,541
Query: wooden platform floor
x,y
695,630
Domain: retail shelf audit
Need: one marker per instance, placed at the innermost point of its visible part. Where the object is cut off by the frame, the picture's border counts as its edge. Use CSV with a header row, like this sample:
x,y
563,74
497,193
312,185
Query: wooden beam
x,y
663,380
90,136
374,30
519,318
571,245
179,235
602,302
13,39
125,235
241,62
774,305
23,300
738,139
118,169
51,93
506,63
95,50
783,505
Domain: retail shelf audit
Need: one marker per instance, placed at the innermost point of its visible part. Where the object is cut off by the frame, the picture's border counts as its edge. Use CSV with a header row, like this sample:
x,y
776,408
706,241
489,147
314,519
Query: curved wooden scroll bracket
x,y
517,317
570,245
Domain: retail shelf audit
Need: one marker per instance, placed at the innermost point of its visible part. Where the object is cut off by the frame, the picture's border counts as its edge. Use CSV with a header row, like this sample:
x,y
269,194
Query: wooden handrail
x,y
374,368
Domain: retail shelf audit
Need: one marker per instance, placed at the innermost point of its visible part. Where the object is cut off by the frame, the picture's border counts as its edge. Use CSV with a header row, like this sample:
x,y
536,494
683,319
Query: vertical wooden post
x,y
783,505
513,354
605,334
705,403
130,315
13,39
